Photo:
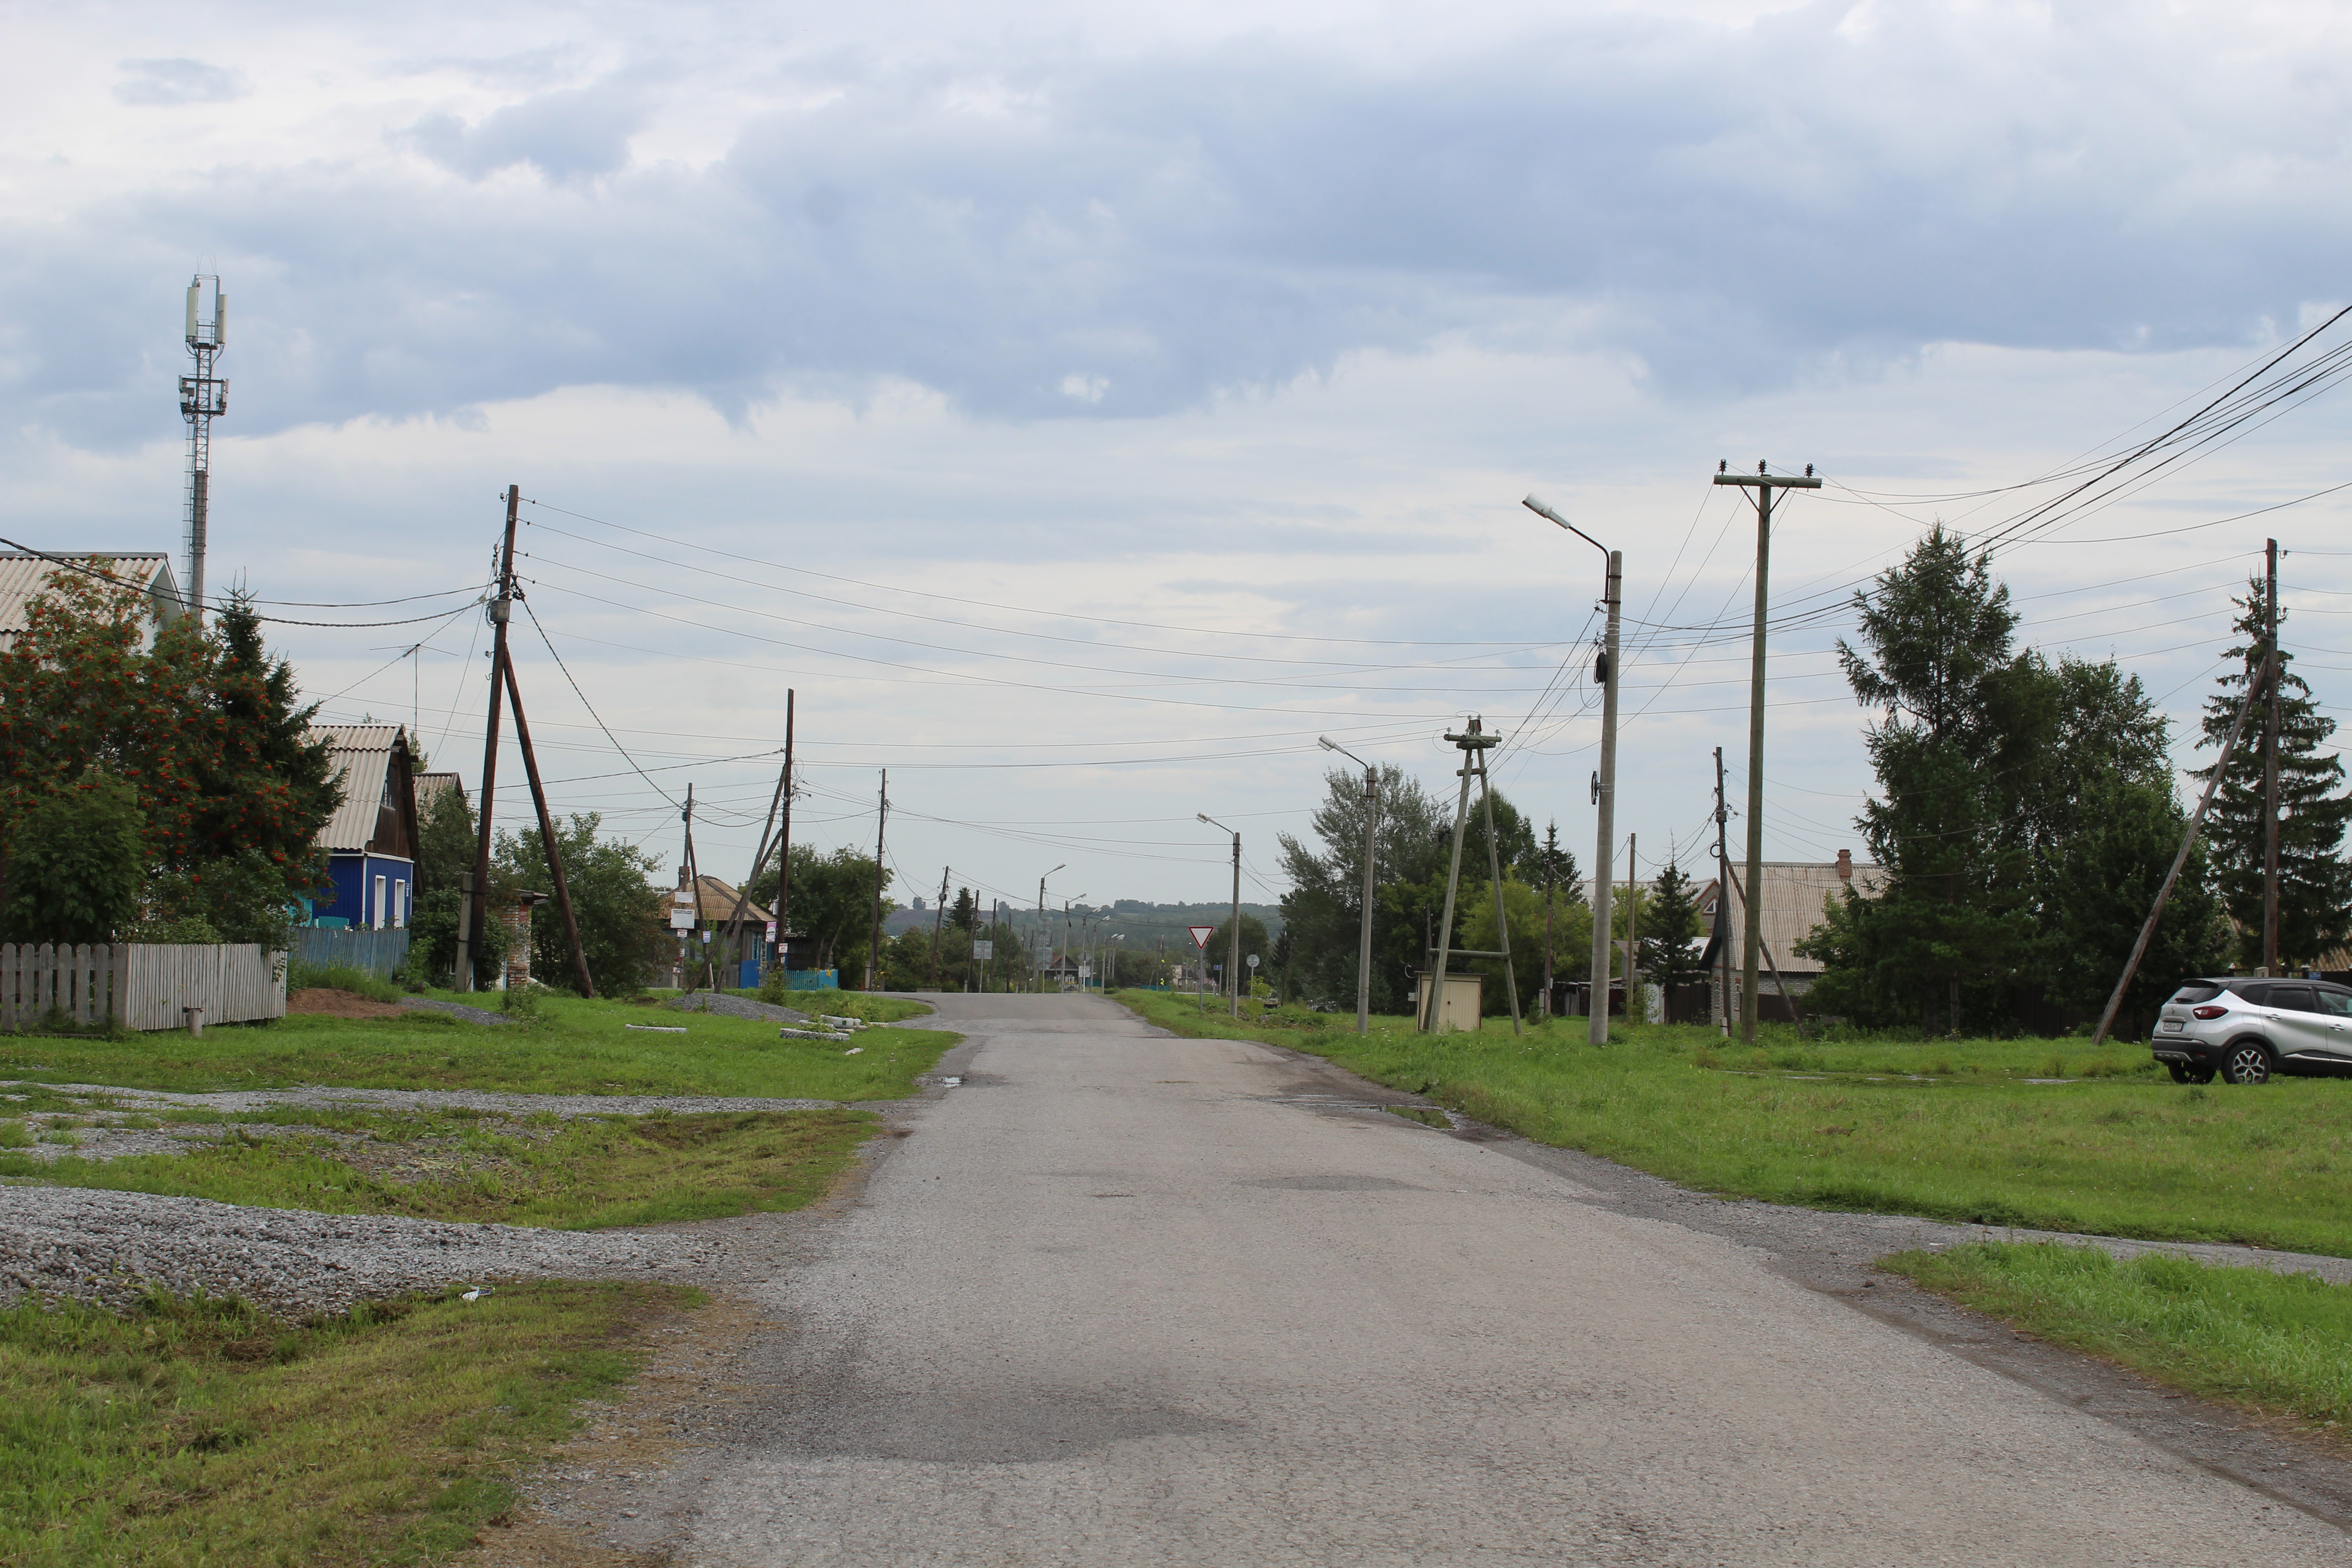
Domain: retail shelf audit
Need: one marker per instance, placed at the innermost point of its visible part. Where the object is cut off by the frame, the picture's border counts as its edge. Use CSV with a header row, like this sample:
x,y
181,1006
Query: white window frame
x,y
375,918
399,902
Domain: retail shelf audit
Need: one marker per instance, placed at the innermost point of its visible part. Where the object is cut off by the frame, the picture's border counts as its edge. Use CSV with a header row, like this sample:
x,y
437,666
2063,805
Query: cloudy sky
x,y
1083,406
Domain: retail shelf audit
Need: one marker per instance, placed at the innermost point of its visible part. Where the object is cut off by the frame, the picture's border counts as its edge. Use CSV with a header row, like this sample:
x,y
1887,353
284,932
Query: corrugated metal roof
x,y
1793,894
362,755
430,787
23,576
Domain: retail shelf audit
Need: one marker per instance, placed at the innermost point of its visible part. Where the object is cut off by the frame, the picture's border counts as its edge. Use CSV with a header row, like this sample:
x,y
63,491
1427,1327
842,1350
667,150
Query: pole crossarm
x,y
1768,482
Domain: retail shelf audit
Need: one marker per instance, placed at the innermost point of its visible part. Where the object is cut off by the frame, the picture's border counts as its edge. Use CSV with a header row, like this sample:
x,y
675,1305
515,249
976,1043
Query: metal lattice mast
x,y
203,398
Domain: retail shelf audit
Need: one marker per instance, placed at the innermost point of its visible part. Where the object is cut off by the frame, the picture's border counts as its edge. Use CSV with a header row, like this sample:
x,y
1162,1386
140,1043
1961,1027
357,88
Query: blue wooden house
x,y
371,841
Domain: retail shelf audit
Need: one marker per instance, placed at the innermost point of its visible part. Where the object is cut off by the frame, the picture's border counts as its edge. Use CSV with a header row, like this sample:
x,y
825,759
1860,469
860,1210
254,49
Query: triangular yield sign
x,y
1201,935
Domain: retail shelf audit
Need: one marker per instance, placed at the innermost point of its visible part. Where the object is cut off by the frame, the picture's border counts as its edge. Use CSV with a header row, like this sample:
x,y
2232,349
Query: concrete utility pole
x,y
1605,782
1234,948
881,823
939,923
1763,483
1364,937
2270,764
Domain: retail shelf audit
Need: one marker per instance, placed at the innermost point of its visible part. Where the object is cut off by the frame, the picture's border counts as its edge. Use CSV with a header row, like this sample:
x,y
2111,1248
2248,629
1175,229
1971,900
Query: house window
x,y
399,903
376,919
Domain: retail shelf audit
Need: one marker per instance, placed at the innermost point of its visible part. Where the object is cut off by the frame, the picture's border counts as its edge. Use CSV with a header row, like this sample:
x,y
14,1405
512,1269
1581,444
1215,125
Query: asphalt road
x,y
1124,1298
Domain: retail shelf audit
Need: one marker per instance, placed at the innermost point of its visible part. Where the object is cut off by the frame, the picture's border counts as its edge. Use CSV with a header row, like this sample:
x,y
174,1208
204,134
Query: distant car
x,y
2247,1030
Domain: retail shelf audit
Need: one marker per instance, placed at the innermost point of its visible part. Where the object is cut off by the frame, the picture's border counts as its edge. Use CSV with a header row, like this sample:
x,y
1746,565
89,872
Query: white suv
x,y
2247,1030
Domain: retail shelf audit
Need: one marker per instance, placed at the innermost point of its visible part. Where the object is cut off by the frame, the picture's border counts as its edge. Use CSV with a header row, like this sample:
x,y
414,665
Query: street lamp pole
x,y
1234,949
1041,927
1605,782
1364,941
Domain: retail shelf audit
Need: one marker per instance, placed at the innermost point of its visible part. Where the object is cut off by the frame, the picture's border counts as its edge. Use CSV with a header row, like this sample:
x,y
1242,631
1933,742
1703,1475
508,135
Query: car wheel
x,y
2249,1064
2179,1072
2186,1073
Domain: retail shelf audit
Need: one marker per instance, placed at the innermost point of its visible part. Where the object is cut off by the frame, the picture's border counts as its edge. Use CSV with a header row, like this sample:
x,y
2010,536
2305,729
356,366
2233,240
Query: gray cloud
x,y
1123,238
570,134
177,81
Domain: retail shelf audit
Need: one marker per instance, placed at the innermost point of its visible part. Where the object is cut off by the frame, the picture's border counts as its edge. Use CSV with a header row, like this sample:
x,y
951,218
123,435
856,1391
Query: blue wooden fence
x,y
378,953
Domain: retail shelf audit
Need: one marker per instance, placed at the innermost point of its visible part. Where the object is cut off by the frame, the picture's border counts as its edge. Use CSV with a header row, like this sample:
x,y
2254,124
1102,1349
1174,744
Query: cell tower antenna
x,y
203,398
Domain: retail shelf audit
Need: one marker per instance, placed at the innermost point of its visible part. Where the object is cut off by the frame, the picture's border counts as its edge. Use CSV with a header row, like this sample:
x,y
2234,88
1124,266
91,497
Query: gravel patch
x,y
102,1248
101,1142
456,1010
736,1008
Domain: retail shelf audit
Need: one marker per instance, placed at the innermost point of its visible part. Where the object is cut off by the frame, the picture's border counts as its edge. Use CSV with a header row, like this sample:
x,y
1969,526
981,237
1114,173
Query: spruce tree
x,y
1670,930
2314,882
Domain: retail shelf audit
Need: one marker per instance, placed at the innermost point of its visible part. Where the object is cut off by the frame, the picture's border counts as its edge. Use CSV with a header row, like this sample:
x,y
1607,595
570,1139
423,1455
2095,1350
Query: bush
x,y
75,862
523,1004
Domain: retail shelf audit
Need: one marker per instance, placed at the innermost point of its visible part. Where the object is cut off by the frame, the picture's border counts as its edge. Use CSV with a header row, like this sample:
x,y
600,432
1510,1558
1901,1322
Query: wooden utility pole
x,y
693,886
2268,677
503,689
501,609
939,923
784,845
881,822
547,832
1763,483
1722,896
1551,875
2270,764
1634,929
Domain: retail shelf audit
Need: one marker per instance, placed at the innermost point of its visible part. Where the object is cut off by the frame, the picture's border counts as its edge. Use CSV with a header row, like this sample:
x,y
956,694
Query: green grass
x,y
199,1433
577,1046
580,1174
841,1004
1944,1130
2279,1344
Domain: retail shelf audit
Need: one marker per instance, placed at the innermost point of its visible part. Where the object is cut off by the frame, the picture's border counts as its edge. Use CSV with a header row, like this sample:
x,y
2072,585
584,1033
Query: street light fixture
x,y
1605,783
1041,925
1233,955
1364,942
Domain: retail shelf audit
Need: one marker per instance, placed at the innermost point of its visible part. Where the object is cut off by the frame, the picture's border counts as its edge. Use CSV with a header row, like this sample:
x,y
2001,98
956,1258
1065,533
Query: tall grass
x,y
2278,1343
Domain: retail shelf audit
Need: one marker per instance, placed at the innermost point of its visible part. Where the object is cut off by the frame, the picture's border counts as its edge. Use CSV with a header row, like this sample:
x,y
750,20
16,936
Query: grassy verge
x,y
576,1174
199,1433
572,1047
856,1004
2279,1344
1946,1130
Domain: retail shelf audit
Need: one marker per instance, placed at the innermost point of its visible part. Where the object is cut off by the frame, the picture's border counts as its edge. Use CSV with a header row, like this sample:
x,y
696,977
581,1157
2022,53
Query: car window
x,y
2294,999
2197,991
2338,1003
2254,996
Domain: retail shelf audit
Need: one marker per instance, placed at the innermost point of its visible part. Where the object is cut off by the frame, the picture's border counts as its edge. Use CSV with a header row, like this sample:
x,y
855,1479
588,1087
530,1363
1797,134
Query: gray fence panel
x,y
377,952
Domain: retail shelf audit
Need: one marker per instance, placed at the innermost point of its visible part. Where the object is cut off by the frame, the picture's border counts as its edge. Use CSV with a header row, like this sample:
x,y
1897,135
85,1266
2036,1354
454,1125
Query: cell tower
x,y
203,398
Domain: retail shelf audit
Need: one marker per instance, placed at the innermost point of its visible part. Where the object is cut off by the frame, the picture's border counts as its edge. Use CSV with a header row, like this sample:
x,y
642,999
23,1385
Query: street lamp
x,y
1234,951
1041,925
1605,782
1364,943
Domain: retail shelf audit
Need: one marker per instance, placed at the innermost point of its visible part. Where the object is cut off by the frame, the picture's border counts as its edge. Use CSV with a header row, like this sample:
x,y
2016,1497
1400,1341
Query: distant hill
x,y
1146,926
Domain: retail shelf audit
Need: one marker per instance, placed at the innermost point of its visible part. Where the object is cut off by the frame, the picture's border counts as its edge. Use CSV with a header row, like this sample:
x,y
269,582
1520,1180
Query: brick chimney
x,y
1845,866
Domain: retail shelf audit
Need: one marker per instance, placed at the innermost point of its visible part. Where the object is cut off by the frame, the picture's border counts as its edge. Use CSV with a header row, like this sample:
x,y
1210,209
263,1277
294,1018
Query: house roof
x,y
363,754
23,575
1791,901
717,903
431,788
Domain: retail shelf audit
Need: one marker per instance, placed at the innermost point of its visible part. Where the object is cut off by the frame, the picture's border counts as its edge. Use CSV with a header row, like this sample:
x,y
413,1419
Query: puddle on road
x,y
1426,1115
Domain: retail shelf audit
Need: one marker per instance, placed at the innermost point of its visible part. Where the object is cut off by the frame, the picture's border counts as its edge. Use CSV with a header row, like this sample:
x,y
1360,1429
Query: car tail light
x,y
2206,1012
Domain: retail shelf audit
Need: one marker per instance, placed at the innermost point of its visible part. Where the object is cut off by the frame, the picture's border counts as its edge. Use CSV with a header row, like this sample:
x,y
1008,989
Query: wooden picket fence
x,y
139,986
